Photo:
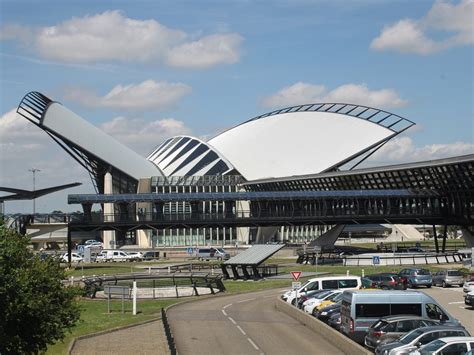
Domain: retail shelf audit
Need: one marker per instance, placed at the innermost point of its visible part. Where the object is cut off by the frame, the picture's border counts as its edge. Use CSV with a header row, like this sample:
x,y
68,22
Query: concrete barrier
x,y
337,339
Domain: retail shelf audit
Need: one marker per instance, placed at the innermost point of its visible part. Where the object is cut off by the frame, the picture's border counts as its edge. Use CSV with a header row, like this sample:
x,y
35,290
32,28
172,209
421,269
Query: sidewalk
x,y
143,339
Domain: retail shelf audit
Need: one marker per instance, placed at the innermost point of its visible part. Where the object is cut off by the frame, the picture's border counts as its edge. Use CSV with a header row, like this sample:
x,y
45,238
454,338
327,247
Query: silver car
x,y
447,278
418,337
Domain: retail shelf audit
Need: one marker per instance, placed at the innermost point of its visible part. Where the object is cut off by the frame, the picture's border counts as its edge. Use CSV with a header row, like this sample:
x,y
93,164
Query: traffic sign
x,y
80,249
296,285
190,250
376,260
296,275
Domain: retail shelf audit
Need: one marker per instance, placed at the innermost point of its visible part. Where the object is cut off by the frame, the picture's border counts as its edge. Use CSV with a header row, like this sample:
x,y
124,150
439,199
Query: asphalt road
x,y
452,299
242,324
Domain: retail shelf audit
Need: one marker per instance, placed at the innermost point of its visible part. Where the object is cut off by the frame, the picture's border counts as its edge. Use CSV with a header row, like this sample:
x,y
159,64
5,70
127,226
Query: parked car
x,y
393,327
326,283
304,296
212,253
135,255
151,255
386,281
325,313
113,255
445,346
468,285
360,309
418,337
313,295
335,320
75,258
446,278
92,241
416,277
327,302
310,305
94,245
469,299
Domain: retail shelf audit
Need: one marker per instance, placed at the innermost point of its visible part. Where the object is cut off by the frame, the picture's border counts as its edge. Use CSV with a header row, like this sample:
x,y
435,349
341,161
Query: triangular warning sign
x,y
296,275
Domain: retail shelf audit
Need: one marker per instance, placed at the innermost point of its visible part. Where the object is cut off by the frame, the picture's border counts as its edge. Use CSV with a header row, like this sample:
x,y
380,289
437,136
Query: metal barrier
x,y
212,282
169,335
400,260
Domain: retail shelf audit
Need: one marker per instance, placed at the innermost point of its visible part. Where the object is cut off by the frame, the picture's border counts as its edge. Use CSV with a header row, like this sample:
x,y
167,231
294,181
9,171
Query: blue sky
x,y
147,70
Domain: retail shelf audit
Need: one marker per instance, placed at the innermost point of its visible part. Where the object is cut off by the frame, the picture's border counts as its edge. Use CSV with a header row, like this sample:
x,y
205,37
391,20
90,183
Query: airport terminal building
x,y
314,147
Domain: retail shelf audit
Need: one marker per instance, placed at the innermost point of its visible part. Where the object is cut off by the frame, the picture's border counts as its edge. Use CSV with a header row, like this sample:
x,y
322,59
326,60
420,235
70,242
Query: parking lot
x,y
452,299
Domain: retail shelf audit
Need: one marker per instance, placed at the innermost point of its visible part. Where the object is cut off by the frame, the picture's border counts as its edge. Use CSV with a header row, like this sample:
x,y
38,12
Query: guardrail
x,y
213,282
169,335
400,260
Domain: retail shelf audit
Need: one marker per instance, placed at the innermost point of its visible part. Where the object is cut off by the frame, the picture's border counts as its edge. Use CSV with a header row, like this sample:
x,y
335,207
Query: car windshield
x,y
432,347
220,250
454,273
334,296
423,272
323,294
408,338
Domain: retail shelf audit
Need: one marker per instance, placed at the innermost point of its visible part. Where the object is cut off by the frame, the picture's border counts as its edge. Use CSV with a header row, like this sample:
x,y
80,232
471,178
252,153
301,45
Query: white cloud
x,y
112,37
24,146
402,150
304,93
411,36
148,95
142,136
207,52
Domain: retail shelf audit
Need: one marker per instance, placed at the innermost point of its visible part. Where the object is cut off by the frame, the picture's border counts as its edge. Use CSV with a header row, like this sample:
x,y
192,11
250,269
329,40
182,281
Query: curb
x,y
107,331
334,337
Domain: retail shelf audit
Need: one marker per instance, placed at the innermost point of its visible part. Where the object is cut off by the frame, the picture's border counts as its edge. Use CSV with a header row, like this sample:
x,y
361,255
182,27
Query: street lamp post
x,y
34,171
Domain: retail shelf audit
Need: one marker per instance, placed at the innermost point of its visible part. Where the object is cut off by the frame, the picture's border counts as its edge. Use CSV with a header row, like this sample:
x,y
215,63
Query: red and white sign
x,y
296,275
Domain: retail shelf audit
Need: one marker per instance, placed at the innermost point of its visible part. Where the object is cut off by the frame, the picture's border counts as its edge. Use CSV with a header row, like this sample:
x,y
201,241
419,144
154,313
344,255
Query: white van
x,y
113,255
324,283
360,309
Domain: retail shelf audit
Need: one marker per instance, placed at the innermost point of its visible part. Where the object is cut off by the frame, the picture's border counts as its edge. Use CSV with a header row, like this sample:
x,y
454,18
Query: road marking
x,y
456,302
253,344
233,321
248,299
241,330
223,312
227,305
462,307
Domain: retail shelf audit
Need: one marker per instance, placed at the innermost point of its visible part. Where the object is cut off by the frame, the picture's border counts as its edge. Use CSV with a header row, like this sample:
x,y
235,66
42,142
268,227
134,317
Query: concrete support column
x,y
108,236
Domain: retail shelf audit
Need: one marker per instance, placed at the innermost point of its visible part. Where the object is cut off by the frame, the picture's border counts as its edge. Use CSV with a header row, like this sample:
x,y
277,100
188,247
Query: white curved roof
x,y
65,123
186,156
296,143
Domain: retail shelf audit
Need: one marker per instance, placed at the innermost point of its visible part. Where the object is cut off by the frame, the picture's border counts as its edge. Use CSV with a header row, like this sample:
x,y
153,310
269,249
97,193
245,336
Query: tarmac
x,y
144,339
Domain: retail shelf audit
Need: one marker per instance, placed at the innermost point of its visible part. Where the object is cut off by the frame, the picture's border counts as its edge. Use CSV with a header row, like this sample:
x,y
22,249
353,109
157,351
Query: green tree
x,y
36,310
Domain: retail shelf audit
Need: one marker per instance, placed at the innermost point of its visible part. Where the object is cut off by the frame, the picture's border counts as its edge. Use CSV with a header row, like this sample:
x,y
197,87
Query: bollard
x,y
149,270
169,269
363,273
134,293
347,273
72,280
212,270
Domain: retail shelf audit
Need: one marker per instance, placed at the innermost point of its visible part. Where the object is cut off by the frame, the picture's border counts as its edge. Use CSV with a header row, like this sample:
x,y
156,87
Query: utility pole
x,y
34,171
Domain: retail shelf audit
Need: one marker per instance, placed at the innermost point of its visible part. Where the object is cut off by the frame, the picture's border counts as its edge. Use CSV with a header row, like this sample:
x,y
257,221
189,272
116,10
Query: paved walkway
x,y
142,339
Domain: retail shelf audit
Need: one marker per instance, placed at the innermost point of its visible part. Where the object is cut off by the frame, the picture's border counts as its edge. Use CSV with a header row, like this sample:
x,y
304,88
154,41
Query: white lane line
x,y
241,330
462,307
253,344
227,305
224,313
246,300
233,321
456,302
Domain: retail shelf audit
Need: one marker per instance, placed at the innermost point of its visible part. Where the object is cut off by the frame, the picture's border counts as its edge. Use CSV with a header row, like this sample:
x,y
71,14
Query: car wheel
x,y
461,285
384,287
314,312
410,285
428,286
219,258
293,302
443,284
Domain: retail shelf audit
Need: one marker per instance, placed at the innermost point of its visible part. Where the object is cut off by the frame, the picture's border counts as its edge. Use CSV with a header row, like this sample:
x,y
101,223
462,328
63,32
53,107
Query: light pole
x,y
34,171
